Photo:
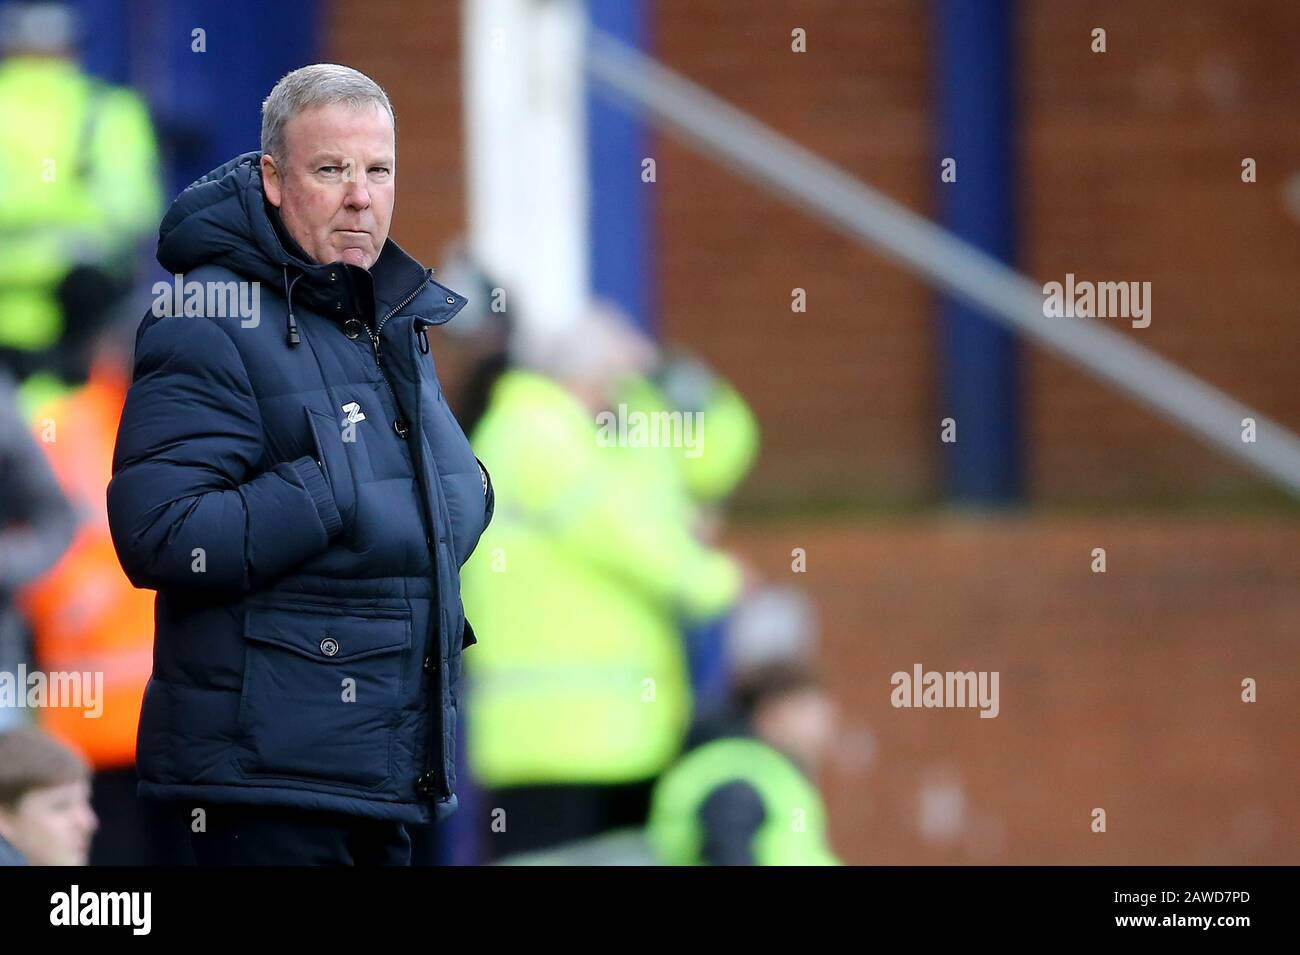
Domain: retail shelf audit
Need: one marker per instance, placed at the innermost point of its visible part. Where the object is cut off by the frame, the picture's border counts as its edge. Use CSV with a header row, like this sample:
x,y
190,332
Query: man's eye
x,y
379,169
330,168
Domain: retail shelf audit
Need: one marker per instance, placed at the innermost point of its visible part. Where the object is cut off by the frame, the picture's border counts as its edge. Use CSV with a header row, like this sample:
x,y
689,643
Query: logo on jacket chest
x,y
353,415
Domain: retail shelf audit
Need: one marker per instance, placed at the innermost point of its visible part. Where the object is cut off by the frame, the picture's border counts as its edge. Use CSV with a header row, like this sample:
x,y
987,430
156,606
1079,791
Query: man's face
x,y
52,825
335,192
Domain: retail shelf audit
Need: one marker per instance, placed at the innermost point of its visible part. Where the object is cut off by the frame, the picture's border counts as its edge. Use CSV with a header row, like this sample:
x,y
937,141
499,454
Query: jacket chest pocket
x,y
322,692
327,444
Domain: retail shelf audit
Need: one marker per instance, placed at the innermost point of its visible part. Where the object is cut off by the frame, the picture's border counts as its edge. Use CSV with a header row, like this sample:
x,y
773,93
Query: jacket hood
x,y
223,219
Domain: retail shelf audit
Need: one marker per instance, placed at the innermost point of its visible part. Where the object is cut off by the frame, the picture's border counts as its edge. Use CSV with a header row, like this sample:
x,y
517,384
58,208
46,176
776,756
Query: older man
x,y
290,480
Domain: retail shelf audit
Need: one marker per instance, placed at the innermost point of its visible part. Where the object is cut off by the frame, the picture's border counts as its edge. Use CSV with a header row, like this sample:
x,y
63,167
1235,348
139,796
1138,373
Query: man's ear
x,y
271,180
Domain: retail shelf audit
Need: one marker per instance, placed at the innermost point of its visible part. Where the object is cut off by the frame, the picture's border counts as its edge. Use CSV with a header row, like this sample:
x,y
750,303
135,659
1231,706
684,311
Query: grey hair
x,y
48,28
321,84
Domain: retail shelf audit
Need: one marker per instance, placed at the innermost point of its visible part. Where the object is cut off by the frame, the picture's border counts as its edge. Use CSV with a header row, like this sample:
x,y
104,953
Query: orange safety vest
x,y
85,615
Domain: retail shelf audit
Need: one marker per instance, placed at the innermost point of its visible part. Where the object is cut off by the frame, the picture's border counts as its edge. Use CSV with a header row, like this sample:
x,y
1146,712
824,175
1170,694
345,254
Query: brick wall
x,y
845,390
1119,691
1132,165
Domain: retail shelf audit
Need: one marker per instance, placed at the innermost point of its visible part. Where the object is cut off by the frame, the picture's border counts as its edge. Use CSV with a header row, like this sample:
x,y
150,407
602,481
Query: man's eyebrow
x,y
339,159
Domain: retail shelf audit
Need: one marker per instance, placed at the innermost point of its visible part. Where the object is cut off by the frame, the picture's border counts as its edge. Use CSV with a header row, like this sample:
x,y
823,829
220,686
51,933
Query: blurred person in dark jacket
x,y
36,526
481,335
86,616
45,813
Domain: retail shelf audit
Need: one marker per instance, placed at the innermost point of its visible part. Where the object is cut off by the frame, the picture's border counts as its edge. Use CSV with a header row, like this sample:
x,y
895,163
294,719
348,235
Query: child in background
x,y
45,814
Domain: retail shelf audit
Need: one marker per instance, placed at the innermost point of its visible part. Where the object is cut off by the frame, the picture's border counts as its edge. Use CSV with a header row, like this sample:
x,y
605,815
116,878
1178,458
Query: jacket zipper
x,y
398,425
433,664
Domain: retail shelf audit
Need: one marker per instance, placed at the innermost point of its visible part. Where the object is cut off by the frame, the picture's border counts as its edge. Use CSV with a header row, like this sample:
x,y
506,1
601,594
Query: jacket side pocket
x,y
322,692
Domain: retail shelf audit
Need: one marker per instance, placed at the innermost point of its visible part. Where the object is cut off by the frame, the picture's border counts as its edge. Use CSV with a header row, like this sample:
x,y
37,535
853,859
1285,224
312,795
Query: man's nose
x,y
358,195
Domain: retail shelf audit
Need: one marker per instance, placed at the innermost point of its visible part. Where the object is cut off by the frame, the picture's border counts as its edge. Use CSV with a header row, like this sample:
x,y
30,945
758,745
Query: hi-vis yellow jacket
x,y
577,592
79,183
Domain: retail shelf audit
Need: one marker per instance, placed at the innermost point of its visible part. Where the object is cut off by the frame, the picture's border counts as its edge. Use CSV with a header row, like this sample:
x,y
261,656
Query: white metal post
x,y
526,154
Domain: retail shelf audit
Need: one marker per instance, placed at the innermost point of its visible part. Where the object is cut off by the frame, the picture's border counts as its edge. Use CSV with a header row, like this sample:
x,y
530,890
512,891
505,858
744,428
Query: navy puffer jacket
x,y
292,483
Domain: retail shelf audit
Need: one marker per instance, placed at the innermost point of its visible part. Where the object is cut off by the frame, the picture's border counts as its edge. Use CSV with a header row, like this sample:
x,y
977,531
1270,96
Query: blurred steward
x,y
675,382
86,617
45,812
746,796
36,524
81,190
80,166
580,688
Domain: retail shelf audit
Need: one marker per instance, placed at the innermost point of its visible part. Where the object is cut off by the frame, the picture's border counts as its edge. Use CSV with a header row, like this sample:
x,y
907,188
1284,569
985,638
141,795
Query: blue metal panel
x,y
979,360
621,225
102,39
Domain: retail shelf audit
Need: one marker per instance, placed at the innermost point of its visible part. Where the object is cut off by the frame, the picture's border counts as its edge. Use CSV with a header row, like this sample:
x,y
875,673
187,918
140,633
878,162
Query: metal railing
x,y
724,132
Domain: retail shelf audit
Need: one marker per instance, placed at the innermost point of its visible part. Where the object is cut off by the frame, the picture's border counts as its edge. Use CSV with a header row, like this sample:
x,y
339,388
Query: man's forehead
x,y
341,129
